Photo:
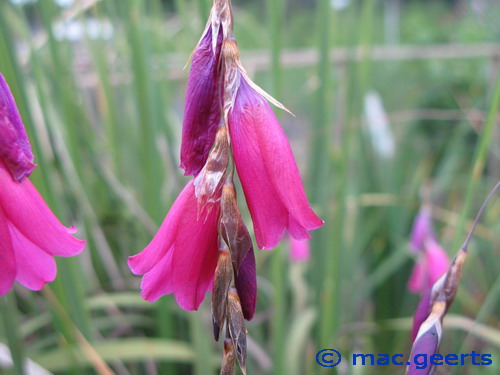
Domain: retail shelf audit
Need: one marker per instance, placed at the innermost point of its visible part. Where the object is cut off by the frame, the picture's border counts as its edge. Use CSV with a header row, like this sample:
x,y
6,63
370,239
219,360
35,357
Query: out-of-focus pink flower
x,y
182,257
422,230
202,112
432,264
15,149
300,250
30,236
267,170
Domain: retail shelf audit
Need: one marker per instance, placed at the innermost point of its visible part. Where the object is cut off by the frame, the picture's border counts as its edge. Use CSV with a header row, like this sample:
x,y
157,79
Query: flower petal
x,y
423,310
195,254
15,147
156,282
419,277
164,238
421,230
246,285
437,261
182,257
300,250
268,172
7,258
203,102
35,267
27,211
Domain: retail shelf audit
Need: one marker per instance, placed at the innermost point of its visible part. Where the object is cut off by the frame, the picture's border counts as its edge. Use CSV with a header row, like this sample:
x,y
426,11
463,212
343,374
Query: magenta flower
x,y
15,149
182,257
300,250
203,101
433,260
267,170
433,263
30,234
422,230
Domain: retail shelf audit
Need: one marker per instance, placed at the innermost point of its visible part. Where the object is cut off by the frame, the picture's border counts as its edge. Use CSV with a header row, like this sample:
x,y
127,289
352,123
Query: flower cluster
x,y
437,299
30,234
203,243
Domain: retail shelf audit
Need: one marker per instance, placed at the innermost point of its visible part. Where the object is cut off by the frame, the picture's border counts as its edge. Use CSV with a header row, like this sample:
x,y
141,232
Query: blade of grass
x,y
11,325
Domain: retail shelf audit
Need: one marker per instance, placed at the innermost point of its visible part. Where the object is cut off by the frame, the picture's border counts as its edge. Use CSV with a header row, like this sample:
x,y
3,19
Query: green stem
x,y
481,155
275,10
11,325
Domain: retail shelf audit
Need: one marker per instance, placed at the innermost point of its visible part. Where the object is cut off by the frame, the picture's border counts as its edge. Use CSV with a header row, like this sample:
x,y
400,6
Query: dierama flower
x,y
435,303
433,260
182,257
265,162
203,240
432,264
30,234
204,95
300,250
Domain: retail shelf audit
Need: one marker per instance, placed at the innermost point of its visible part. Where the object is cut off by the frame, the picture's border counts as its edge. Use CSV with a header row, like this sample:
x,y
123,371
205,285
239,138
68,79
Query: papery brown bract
x,y
237,328
182,257
208,183
222,282
232,228
268,172
228,360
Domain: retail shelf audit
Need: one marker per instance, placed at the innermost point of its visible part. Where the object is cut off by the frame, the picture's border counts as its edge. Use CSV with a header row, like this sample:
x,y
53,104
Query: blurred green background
x,y
390,97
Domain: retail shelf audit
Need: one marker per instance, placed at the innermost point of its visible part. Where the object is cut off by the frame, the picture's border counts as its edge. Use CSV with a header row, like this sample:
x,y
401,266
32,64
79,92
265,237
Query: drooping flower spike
x,y
203,241
30,234
435,303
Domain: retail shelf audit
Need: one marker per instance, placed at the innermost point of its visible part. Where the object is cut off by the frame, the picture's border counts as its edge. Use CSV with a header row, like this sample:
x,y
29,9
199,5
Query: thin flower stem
x,y
478,216
12,333
481,155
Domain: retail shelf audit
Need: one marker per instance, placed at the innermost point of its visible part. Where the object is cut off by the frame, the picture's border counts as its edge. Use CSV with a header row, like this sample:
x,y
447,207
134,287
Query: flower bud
x,y
15,149
237,330
222,282
232,228
227,367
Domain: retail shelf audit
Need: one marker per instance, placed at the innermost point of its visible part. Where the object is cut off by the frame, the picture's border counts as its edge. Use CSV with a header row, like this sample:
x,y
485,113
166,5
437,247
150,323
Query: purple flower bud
x,y
202,113
15,149
246,285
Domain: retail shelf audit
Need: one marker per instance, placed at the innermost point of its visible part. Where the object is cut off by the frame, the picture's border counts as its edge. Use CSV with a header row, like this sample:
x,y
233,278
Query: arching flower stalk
x,y
436,302
30,234
203,243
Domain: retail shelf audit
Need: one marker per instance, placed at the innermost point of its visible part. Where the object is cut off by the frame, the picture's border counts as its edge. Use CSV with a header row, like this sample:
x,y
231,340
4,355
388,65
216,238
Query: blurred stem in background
x,y
275,10
11,324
